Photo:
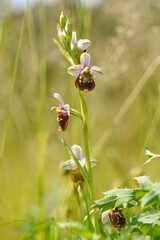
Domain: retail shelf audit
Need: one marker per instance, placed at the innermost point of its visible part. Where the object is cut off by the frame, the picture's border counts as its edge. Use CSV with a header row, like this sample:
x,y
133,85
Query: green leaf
x,y
143,181
151,155
153,196
107,202
148,223
117,197
148,152
53,232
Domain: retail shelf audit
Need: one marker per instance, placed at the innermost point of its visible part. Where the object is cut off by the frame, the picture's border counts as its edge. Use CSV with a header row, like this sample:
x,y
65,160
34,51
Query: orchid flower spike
x,y
85,73
70,164
63,112
81,44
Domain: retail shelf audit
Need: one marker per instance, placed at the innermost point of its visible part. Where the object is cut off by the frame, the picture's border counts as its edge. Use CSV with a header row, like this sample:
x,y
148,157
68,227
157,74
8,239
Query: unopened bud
x,y
62,20
68,28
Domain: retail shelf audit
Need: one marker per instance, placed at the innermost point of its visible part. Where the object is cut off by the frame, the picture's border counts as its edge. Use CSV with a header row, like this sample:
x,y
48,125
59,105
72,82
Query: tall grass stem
x,y
12,86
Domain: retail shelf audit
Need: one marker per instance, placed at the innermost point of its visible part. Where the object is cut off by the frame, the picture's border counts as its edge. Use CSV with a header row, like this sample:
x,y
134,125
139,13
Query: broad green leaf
x,y
139,193
150,198
143,181
117,197
153,195
107,202
148,223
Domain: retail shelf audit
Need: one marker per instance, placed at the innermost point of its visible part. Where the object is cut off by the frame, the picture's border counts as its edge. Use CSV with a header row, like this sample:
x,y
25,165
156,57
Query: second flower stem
x,y
87,154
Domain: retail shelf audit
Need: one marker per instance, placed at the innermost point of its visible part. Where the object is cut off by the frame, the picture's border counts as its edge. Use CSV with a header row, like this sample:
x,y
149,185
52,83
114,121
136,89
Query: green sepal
x,y
64,52
61,36
68,28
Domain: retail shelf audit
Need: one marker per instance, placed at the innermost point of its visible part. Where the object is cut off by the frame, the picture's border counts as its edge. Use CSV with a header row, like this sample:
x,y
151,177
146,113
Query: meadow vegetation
x,y
123,109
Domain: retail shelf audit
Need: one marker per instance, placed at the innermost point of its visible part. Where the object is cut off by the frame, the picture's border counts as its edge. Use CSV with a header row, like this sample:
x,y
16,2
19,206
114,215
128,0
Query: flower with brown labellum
x,y
116,217
63,113
85,73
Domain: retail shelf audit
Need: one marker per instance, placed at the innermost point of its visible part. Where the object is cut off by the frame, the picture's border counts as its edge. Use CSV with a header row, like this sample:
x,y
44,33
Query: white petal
x,y
77,150
75,70
83,44
74,40
59,98
85,59
105,216
69,165
94,162
96,71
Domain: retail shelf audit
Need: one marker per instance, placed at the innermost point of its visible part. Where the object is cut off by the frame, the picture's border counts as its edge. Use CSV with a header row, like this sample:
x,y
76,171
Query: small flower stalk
x,y
63,112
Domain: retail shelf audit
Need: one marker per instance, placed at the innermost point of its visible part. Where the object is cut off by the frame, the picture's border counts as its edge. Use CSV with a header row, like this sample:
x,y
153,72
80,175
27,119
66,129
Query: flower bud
x,y
61,35
68,28
62,20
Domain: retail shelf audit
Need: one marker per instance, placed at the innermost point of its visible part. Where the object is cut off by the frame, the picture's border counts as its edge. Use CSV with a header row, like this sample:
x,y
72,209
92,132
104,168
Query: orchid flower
x,y
81,44
70,164
85,73
116,217
63,112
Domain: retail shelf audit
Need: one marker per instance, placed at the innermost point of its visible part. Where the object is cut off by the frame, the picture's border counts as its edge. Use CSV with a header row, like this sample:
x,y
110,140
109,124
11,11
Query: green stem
x,y
85,199
85,135
87,154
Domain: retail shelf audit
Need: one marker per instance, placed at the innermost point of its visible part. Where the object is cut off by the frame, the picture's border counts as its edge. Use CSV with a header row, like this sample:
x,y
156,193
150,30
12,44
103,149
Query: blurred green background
x,y
124,108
